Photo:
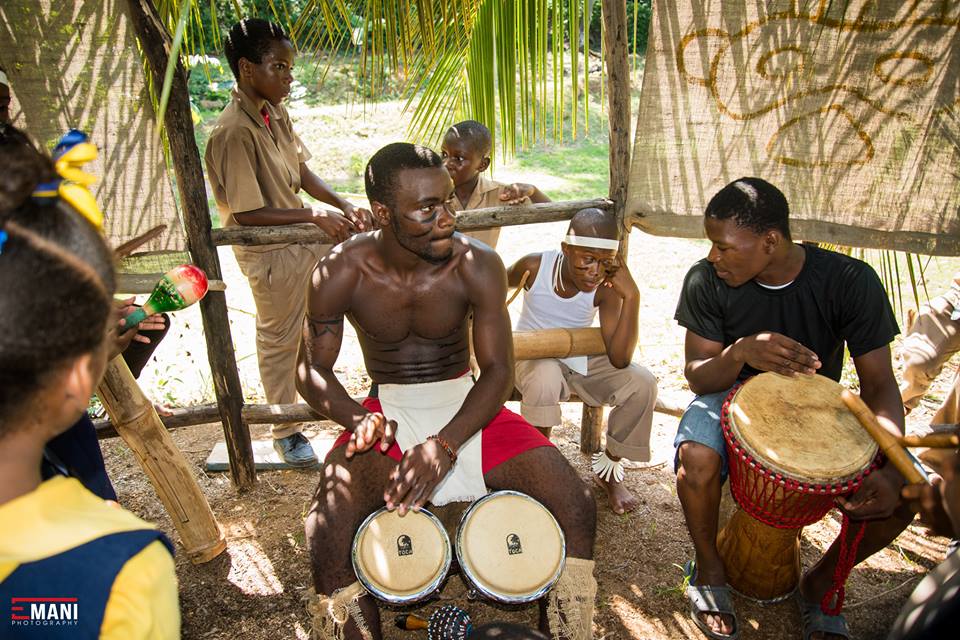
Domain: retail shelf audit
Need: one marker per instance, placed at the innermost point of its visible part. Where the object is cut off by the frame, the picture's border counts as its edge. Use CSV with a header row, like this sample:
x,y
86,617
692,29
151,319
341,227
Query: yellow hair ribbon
x,y
73,188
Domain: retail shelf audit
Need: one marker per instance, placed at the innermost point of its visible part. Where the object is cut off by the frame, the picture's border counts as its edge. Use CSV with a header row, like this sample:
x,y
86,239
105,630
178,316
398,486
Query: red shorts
x,y
506,436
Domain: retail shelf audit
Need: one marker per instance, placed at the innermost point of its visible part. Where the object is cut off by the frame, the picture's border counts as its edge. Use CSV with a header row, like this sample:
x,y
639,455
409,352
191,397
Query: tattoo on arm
x,y
319,327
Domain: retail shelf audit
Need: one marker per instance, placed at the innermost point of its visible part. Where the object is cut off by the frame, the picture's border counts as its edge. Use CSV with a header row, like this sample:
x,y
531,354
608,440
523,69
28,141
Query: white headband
x,y
592,243
3,79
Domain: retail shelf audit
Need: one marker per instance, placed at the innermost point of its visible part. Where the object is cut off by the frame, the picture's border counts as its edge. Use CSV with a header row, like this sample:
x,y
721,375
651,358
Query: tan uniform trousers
x,y
632,392
278,279
932,341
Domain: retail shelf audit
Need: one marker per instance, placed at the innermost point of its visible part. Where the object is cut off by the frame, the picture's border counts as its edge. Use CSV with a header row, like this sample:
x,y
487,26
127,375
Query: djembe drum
x,y
401,560
510,547
793,447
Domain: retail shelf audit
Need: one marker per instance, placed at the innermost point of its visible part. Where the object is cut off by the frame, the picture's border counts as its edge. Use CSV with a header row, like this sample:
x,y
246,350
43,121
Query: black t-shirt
x,y
834,299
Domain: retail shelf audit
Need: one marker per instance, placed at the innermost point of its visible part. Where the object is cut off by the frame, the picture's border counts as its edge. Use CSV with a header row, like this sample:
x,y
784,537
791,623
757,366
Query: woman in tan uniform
x,y
257,167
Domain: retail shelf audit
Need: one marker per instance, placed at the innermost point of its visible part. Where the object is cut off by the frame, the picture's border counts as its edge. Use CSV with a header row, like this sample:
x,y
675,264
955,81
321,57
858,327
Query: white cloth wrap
x,y
422,410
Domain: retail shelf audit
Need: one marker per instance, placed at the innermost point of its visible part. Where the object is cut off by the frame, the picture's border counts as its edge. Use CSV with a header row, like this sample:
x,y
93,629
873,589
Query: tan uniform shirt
x,y
486,194
250,166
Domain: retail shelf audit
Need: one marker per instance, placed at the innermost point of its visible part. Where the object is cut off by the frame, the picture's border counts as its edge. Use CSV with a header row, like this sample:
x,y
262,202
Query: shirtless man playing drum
x,y
408,289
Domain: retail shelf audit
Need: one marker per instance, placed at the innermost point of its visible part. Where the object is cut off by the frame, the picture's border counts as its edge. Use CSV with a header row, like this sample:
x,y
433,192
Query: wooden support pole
x,y
138,424
178,123
473,220
591,426
287,413
618,103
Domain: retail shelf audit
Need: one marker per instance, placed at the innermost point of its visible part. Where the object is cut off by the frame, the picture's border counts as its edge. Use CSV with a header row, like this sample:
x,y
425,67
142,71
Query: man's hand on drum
x,y
770,351
413,480
878,496
372,427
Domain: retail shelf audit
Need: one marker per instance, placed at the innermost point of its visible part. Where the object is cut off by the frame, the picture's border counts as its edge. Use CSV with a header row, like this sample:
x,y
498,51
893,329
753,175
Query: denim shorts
x,y
701,423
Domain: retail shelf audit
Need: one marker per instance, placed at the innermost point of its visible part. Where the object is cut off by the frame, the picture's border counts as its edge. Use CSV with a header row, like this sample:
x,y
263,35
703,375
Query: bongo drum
x,y
510,547
793,448
401,560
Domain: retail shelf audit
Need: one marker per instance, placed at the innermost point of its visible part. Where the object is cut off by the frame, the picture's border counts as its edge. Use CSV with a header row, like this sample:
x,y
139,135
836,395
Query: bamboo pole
x,y
137,422
931,441
557,343
178,121
886,440
473,220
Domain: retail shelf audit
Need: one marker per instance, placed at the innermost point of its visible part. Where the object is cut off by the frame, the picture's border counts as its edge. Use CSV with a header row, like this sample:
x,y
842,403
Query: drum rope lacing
x,y
765,499
759,499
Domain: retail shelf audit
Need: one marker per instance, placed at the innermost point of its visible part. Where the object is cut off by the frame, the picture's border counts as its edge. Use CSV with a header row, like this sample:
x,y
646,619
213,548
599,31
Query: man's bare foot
x,y
621,499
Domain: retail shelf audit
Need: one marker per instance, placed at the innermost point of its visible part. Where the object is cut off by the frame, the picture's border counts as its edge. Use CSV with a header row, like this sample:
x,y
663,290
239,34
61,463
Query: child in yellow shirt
x,y
71,565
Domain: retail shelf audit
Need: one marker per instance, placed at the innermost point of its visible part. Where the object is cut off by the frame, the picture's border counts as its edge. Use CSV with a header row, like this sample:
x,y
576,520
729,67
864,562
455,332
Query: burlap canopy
x,y
76,64
851,107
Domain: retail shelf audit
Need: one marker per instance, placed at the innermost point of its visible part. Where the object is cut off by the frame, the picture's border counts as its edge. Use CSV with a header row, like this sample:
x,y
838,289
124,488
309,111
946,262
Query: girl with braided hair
x,y
71,565
257,166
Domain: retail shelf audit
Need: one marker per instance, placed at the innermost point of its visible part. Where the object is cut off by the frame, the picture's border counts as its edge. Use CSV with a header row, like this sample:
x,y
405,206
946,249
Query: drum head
x,y
510,547
799,427
398,559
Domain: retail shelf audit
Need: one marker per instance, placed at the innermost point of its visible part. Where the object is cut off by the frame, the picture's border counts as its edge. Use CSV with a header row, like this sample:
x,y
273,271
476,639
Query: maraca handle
x,y
410,621
136,316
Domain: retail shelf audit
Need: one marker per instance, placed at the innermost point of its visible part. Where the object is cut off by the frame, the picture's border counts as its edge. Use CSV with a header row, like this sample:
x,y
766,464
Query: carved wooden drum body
x,y
793,448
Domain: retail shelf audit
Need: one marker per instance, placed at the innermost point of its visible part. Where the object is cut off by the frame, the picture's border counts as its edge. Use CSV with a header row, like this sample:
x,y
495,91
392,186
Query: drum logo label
x,y
404,545
513,544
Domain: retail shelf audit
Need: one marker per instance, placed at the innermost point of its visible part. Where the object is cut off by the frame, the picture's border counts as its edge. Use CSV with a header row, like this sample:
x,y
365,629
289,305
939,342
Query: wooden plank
x,y
171,476
209,413
178,124
287,413
141,283
591,426
467,221
691,226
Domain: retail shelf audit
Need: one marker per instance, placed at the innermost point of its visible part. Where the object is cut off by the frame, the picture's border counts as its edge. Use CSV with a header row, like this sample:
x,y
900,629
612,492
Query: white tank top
x,y
544,309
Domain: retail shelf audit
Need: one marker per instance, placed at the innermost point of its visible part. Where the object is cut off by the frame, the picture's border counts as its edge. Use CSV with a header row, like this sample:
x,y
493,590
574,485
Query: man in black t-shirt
x,y
759,302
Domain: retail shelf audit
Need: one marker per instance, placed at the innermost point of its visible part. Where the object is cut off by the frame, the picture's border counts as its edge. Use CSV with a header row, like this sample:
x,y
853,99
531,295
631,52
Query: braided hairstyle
x,y
56,279
251,39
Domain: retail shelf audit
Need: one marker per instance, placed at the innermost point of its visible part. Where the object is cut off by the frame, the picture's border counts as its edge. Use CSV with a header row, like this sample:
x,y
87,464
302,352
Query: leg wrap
x,y
570,602
330,614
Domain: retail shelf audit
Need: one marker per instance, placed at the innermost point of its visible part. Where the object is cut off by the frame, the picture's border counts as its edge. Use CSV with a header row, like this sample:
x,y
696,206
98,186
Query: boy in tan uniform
x,y
466,155
256,165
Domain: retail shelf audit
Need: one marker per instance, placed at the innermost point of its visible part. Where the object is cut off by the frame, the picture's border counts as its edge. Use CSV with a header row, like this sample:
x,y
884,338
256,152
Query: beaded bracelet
x,y
446,448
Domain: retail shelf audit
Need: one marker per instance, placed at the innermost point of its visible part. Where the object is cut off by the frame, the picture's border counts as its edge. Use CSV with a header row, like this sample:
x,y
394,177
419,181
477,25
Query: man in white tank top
x,y
566,289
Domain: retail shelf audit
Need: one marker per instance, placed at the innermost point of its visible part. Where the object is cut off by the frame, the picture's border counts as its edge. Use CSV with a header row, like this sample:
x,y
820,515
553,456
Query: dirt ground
x,y
255,590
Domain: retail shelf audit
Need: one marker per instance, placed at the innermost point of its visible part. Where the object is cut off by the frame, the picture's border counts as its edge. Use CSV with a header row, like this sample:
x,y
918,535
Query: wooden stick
x,y
473,220
932,441
523,281
133,244
171,476
145,282
287,413
886,440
